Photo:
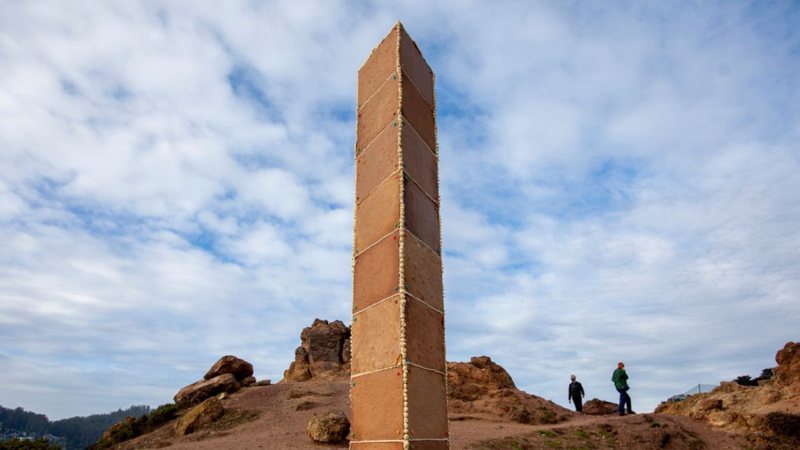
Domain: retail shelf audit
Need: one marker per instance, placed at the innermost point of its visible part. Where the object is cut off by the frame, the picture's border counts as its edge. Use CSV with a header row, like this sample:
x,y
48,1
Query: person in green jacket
x,y
620,379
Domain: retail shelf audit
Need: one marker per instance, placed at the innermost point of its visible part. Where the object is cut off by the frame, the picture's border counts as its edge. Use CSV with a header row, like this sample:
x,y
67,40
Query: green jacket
x,y
620,379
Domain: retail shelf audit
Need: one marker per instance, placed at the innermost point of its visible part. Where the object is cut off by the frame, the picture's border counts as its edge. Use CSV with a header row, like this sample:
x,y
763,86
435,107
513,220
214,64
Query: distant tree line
x,y
77,432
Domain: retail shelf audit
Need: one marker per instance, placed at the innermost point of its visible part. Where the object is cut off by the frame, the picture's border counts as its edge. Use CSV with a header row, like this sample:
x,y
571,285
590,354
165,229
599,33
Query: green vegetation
x,y
503,444
74,433
552,443
547,433
28,444
131,428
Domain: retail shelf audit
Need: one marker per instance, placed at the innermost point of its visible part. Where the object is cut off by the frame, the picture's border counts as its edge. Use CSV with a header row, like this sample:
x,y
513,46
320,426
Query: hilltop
x,y
486,410
768,410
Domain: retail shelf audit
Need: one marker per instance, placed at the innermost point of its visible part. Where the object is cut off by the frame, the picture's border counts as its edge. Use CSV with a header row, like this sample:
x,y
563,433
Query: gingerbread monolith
x,y
398,380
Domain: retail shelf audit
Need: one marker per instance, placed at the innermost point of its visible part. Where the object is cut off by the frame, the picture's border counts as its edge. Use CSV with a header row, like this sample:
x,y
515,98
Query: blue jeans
x,y
624,400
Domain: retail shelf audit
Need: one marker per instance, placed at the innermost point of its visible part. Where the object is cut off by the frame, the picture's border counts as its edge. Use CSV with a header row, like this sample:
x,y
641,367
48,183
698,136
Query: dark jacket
x,y
575,391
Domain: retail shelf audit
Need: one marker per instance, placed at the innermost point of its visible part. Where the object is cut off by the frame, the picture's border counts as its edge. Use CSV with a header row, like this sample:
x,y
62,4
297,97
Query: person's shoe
x,y
631,412
621,414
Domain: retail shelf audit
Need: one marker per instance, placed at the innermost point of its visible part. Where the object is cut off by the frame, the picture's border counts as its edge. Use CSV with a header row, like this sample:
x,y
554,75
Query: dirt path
x,y
275,417
639,431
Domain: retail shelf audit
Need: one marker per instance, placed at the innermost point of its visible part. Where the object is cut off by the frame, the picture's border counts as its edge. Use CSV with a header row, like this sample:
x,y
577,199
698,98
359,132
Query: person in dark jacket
x,y
620,379
576,394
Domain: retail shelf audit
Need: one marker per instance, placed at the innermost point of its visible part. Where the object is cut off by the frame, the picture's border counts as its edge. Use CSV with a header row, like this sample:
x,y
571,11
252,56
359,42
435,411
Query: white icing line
x,y
399,169
361,106
356,255
422,301
375,304
425,368
370,372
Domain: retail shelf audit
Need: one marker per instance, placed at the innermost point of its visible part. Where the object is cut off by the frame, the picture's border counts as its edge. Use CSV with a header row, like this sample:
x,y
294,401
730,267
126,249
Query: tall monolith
x,y
398,386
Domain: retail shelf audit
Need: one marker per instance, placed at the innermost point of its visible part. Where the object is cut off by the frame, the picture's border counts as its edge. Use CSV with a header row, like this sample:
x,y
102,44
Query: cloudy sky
x,y
620,181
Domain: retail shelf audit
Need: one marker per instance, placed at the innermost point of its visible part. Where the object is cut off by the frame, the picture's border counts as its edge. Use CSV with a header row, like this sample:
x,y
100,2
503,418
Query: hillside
x,y
73,433
768,411
486,410
275,417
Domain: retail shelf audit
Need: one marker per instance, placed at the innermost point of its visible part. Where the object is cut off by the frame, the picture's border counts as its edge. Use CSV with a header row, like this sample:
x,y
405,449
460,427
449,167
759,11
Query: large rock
x,y
324,353
788,359
330,428
476,379
482,388
237,367
203,389
597,407
201,415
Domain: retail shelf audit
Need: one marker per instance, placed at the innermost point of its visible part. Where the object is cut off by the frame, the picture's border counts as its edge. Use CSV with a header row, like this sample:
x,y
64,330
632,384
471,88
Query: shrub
x,y
131,428
745,380
27,444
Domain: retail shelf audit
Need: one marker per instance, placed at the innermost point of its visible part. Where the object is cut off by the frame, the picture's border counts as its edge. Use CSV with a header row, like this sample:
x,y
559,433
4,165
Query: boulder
x,y
484,388
788,359
324,353
476,379
237,367
300,368
597,407
330,428
201,415
249,381
200,390
263,383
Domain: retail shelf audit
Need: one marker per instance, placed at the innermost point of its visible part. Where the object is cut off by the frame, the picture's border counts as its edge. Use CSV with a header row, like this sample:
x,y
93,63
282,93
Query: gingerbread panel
x,y
424,335
421,215
377,113
419,113
376,337
380,65
377,162
376,273
422,272
378,214
427,404
414,65
376,445
419,161
377,406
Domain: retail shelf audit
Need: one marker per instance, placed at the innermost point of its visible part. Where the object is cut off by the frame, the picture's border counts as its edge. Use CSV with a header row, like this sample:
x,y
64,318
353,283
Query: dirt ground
x,y
275,417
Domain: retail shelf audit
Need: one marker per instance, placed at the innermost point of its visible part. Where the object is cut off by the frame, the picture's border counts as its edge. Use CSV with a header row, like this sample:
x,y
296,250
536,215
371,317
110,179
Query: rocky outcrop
x,y
330,428
324,353
476,379
788,371
237,367
203,414
737,407
228,375
200,390
483,388
597,407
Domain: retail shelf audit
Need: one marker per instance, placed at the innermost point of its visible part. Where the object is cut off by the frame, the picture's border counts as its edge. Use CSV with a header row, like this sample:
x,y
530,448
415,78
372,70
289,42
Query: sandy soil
x,y
275,417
